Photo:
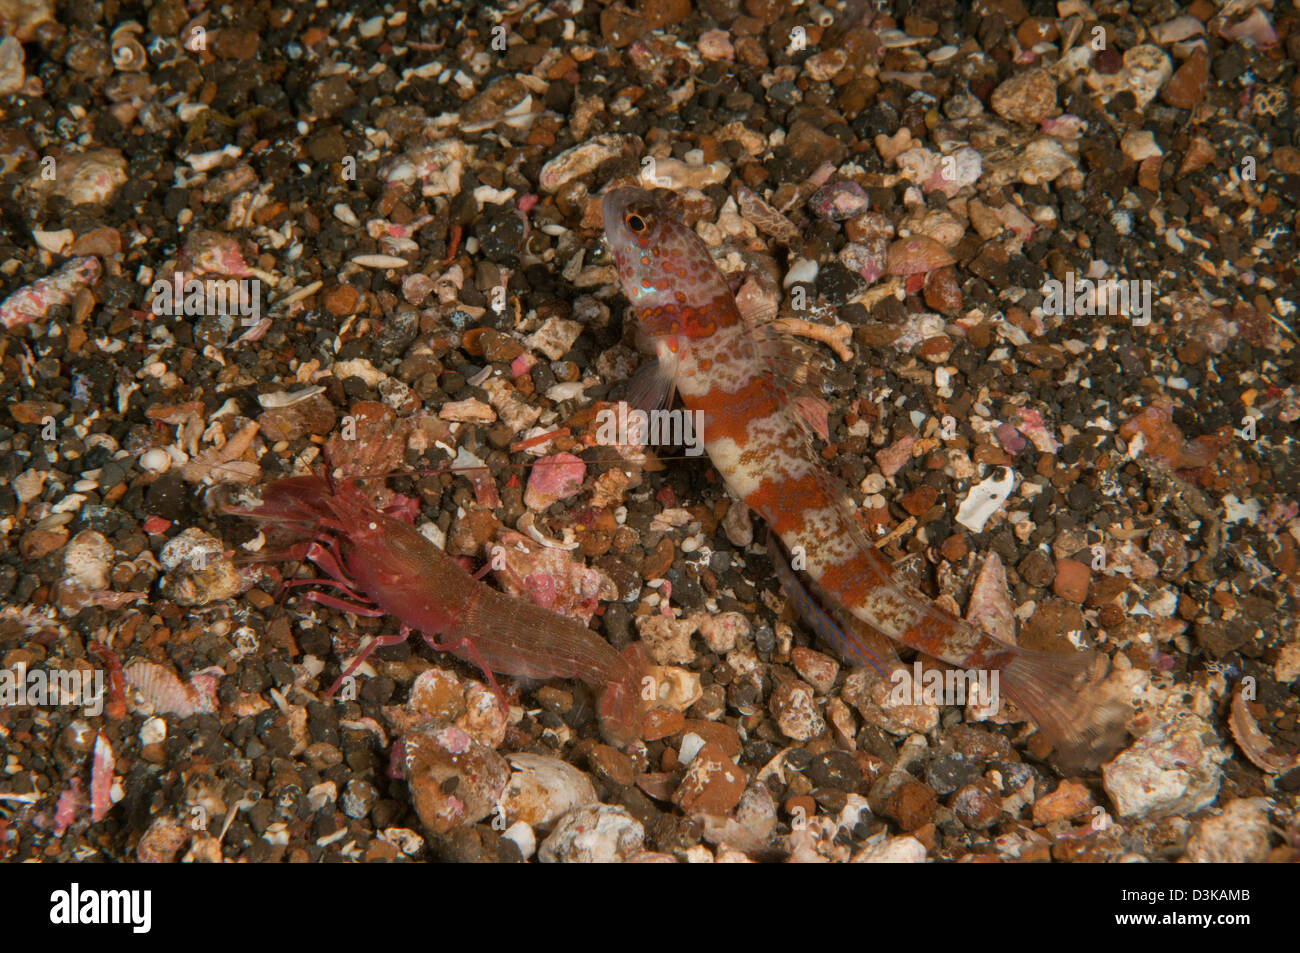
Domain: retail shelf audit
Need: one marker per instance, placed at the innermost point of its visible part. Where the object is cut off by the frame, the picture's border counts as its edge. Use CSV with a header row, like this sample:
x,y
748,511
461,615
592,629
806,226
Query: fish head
x,y
665,270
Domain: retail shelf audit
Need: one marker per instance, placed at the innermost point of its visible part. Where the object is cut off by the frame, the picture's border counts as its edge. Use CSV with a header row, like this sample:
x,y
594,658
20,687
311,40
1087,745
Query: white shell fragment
x,y
380,261
984,500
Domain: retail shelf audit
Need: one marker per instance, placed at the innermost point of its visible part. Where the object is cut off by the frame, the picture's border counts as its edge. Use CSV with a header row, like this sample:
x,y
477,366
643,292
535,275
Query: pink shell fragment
x,y
990,601
554,478
894,457
35,301
101,778
550,577
1032,426
71,802
1257,28
521,365
1010,439
209,252
1067,126
166,694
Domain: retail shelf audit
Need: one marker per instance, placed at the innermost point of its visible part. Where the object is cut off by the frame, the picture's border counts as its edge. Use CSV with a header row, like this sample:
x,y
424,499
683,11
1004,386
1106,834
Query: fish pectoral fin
x,y
652,387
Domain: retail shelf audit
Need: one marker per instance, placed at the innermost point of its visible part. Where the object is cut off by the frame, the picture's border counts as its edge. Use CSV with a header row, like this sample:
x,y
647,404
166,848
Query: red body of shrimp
x,y
753,435
386,566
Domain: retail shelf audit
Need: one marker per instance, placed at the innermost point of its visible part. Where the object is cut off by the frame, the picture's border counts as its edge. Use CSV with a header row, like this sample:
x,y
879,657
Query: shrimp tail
x,y
1083,730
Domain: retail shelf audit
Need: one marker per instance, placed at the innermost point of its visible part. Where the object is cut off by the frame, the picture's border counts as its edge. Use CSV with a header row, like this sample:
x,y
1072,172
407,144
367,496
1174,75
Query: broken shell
x,y
840,201
128,55
917,255
277,399
1254,744
543,789
53,241
156,460
12,72
87,560
162,693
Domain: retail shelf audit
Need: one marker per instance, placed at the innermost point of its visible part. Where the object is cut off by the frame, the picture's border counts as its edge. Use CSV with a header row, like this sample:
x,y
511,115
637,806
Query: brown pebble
x,y
611,765
1286,160
1200,153
662,723
914,25
39,543
1187,86
498,347
1037,568
657,563
1193,352
1028,97
1046,629
799,808
717,732
1035,30
1070,799
817,669
977,805
810,144
1149,173
1072,578
942,291
713,783
954,548
341,300
919,500
911,804
936,349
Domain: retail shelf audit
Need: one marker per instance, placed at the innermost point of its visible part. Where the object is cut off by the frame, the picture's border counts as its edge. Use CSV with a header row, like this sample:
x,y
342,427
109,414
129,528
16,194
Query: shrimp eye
x,y
635,222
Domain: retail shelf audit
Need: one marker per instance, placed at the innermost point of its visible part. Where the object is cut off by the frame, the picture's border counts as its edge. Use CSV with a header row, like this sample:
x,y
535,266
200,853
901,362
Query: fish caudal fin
x,y
1051,689
620,708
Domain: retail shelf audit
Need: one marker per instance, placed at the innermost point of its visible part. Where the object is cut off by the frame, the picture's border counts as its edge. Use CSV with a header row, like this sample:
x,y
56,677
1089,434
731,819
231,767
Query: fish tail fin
x,y
620,707
1051,688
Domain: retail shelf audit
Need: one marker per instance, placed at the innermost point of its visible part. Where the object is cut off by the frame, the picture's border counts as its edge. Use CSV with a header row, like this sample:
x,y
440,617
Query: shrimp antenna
x,y
329,468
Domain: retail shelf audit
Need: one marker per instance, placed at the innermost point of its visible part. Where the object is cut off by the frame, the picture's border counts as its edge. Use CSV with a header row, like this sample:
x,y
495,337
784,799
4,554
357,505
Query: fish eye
x,y
635,222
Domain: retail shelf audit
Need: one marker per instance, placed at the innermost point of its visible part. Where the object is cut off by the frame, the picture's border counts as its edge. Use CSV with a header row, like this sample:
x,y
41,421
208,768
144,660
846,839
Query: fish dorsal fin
x,y
797,369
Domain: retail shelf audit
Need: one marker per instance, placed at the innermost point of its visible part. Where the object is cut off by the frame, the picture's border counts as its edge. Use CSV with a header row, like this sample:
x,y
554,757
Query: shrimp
x,y
384,566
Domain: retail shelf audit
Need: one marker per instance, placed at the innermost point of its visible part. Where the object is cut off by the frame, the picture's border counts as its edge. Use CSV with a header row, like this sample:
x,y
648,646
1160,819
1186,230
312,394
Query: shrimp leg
x,y
376,642
336,603
295,583
467,646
